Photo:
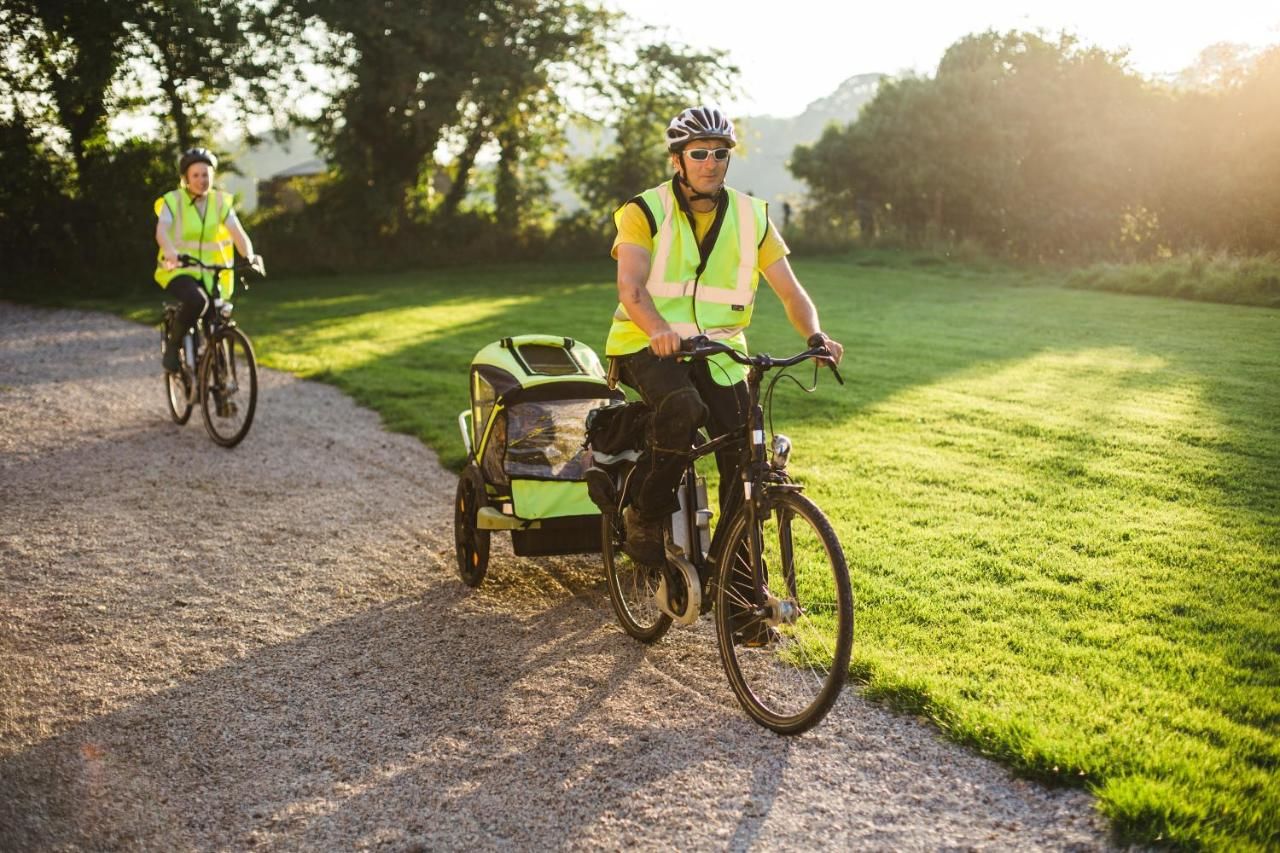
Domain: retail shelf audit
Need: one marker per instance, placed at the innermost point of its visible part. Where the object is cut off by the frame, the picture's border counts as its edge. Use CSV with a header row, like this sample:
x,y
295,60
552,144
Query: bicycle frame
x,y
214,349
758,476
775,572
211,325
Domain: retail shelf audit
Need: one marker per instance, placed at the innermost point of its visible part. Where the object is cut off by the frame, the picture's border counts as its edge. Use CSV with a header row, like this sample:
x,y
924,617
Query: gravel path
x,y
268,648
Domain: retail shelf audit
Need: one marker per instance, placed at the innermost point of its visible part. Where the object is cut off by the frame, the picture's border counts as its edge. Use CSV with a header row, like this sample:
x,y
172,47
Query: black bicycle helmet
x,y
699,123
196,155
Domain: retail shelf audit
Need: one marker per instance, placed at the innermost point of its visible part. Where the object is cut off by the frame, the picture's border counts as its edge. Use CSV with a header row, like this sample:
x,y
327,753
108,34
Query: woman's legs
x,y
193,301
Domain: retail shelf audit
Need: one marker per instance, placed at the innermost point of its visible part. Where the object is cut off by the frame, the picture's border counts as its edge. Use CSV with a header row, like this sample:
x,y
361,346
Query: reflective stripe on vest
x,y
719,303
206,238
661,270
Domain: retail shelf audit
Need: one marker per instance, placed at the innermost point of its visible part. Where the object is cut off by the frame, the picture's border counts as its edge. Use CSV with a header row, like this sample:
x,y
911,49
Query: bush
x,y
1200,275
88,237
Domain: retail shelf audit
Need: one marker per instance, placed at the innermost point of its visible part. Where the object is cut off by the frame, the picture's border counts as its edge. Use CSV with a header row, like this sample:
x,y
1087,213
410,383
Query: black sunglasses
x,y
700,154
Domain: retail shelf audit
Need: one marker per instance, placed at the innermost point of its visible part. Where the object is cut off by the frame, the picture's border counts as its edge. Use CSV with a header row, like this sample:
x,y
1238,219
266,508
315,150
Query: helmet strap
x,y
690,193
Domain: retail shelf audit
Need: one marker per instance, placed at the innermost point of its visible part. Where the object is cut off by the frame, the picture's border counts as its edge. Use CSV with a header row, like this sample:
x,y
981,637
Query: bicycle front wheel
x,y
787,657
229,387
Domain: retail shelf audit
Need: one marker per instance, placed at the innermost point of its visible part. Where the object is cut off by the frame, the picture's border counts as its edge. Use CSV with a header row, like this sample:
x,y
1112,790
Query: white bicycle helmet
x,y
699,123
196,155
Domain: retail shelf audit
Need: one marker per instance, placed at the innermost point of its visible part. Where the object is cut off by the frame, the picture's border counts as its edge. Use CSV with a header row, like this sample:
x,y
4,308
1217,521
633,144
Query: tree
x,y
67,54
201,50
640,93
422,70
531,54
1029,146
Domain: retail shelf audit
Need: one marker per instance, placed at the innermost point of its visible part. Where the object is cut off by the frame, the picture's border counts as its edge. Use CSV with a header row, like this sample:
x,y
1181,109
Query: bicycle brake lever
x,y
831,363
693,344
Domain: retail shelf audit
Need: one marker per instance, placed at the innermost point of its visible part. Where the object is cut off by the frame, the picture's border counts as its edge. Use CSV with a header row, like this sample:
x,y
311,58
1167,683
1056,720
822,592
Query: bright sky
x,y
793,52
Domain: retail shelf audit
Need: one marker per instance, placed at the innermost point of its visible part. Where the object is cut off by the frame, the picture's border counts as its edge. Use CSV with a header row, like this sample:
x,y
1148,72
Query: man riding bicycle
x,y
199,221
690,254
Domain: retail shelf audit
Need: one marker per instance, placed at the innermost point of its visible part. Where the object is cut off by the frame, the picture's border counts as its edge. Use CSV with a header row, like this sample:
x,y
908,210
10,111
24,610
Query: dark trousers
x,y
684,398
193,301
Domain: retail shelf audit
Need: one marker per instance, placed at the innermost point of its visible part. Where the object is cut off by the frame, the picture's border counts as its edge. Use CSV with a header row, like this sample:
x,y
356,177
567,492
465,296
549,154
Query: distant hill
x,y
759,166
767,142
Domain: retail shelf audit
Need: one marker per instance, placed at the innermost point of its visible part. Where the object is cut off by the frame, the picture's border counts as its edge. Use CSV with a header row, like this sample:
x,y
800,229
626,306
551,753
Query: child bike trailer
x,y
526,460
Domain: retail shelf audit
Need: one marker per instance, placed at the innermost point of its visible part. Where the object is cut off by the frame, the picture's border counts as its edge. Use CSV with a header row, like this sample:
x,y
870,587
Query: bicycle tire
x,y
177,395
788,675
632,586
177,386
471,544
228,387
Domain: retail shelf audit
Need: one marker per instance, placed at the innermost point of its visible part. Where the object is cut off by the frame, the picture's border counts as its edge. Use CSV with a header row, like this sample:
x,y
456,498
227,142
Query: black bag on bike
x,y
618,427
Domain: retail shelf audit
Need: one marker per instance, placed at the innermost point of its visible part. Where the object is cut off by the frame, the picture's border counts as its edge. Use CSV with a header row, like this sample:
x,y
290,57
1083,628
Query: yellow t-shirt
x,y
634,229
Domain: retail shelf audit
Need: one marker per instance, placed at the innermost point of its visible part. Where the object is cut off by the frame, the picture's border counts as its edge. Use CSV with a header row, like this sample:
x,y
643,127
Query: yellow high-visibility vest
x,y
717,303
205,237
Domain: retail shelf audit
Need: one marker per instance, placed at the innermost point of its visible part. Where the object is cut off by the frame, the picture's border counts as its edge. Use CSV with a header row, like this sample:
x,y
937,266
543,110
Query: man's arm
x,y
633,272
796,302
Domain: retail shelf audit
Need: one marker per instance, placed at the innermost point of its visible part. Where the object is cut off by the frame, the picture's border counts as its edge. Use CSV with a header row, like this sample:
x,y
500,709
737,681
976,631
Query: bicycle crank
x,y
684,588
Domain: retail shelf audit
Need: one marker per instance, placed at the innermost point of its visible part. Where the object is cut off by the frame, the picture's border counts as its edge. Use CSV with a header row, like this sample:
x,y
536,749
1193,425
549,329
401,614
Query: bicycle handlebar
x,y
700,346
246,264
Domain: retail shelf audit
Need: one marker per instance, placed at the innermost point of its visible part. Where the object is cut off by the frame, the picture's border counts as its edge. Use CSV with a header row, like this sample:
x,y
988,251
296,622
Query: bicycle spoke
x,y
632,586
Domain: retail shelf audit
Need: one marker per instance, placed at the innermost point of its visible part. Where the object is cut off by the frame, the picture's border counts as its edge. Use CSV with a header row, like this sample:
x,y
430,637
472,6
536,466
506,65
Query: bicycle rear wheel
x,y
177,388
632,586
229,387
786,663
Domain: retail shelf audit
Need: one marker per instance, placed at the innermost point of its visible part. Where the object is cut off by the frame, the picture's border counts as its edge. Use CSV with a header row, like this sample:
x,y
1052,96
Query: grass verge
x,y
1202,276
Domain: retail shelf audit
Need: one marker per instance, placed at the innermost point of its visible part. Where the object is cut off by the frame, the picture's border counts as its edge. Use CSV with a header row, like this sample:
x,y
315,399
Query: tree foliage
x,y
446,123
1047,149
486,71
73,65
641,90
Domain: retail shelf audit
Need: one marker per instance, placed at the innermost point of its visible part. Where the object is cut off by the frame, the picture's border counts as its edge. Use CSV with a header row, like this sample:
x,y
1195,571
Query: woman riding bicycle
x,y
690,254
199,221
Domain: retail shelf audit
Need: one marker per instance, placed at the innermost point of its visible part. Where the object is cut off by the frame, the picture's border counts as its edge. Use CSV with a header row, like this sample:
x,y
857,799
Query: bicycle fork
x,y
768,607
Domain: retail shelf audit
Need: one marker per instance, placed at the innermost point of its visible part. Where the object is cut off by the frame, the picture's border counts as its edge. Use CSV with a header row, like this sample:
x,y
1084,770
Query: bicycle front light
x,y
225,310
781,452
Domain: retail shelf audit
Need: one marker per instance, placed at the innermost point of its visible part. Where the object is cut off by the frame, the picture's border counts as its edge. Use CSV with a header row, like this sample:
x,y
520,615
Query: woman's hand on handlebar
x,y
170,261
665,343
255,263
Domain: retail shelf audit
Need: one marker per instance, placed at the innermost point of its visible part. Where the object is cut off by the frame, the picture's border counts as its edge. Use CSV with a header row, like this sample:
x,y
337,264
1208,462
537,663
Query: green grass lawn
x,y
1061,508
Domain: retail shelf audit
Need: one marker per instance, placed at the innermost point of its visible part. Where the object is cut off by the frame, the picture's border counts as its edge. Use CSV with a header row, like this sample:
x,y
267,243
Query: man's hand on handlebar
x,y
818,339
665,344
